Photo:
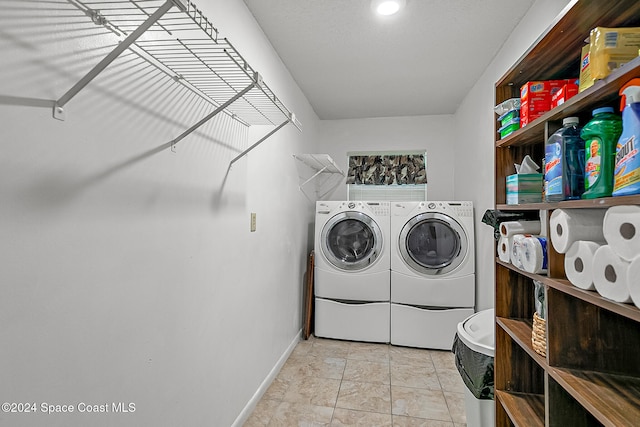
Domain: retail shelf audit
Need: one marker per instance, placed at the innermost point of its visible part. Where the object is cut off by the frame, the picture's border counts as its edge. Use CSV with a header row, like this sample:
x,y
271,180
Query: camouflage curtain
x,y
388,169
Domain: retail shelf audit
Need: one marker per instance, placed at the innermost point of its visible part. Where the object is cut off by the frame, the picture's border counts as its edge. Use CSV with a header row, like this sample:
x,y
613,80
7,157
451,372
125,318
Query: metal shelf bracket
x,y
215,112
322,164
58,109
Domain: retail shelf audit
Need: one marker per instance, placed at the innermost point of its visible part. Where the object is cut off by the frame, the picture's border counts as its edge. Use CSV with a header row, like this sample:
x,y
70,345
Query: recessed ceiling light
x,y
387,7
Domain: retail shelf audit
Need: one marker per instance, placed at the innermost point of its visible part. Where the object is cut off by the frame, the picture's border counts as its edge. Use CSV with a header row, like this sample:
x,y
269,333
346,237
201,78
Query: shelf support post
x,y
58,108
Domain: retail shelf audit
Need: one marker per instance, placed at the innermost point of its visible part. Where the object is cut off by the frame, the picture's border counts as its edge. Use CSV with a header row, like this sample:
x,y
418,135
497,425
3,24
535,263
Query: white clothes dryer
x,y
433,258
352,270
432,271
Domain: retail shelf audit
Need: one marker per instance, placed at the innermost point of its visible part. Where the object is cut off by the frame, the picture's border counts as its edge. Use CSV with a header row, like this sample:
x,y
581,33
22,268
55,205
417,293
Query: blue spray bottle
x,y
626,173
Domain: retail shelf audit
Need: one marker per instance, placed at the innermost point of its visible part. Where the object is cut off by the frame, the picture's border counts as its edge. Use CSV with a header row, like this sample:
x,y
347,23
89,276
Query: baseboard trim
x,y
251,404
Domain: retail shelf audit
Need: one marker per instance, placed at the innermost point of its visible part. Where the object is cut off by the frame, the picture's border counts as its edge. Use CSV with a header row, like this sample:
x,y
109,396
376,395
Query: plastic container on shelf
x,y
600,134
509,127
474,348
508,105
626,176
508,116
564,163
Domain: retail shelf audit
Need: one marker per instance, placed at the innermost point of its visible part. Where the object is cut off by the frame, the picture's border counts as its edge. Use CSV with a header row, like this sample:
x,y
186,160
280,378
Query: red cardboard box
x,y
561,96
535,98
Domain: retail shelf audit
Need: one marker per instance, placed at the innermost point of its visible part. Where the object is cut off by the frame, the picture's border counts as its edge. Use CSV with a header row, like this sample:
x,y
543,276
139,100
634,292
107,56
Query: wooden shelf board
x,y
523,409
614,400
520,331
603,202
521,272
627,310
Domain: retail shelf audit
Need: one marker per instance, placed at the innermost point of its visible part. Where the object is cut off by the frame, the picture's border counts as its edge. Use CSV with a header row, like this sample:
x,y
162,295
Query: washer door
x,y
351,241
433,243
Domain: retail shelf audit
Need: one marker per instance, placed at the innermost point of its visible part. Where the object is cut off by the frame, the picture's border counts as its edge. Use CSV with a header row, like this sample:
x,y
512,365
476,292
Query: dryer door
x,y
351,241
433,243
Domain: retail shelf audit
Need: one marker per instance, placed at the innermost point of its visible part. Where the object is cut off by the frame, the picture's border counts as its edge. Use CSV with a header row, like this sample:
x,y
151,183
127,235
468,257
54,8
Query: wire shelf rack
x,y
176,37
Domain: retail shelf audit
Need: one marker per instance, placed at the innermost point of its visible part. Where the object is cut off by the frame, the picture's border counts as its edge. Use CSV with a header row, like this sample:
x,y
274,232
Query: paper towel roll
x,y
622,230
570,225
534,254
633,272
504,248
509,228
610,275
578,264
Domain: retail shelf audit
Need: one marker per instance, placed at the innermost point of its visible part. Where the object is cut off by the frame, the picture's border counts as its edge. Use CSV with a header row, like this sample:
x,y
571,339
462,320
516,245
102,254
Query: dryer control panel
x,y
380,208
462,208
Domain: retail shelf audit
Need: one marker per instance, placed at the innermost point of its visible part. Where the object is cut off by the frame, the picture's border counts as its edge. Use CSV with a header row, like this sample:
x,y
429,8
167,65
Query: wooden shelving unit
x,y
590,375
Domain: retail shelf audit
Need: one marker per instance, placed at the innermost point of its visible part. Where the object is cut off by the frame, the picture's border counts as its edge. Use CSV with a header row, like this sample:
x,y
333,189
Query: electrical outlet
x,y
253,221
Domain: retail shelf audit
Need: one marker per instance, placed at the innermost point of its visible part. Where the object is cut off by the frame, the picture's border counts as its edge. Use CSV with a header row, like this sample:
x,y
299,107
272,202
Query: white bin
x,y
477,332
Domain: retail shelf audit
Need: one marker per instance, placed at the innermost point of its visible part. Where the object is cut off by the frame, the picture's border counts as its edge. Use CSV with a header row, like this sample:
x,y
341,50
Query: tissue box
x,y
524,188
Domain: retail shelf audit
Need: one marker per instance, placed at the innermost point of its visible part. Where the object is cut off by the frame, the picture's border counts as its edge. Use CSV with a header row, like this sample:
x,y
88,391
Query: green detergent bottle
x,y
600,134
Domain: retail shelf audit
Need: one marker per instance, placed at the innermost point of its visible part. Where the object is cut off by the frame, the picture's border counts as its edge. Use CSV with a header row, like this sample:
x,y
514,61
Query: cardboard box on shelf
x,y
610,48
586,79
535,98
560,97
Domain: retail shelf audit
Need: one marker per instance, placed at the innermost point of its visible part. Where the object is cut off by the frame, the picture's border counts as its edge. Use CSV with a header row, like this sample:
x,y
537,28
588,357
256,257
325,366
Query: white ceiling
x,y
352,64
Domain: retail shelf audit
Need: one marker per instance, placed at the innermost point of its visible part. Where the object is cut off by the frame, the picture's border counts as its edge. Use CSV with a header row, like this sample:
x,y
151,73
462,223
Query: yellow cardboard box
x,y
610,48
586,80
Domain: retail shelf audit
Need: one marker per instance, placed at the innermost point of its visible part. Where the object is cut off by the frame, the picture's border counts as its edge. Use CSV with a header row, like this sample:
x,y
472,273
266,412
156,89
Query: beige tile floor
x,y
342,383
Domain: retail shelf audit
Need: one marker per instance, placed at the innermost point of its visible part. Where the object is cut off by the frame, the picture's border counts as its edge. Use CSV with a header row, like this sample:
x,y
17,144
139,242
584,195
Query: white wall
x,y
474,148
128,271
435,134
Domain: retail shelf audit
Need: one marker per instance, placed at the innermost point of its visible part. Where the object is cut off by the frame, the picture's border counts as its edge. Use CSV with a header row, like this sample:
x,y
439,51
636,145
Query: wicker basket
x,y
539,335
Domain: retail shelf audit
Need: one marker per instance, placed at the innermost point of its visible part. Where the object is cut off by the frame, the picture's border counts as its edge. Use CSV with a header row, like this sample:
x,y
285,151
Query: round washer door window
x,y
433,243
351,241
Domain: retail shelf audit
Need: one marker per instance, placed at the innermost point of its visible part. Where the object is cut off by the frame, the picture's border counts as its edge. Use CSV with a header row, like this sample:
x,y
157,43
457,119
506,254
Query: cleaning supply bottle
x,y
600,136
626,176
564,163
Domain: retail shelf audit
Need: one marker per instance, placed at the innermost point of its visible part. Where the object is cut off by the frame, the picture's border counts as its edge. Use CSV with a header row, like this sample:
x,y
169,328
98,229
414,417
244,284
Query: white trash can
x,y
474,348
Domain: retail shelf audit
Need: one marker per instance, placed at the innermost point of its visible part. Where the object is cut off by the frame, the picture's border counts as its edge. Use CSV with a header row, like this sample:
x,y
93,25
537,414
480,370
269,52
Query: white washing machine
x,y
352,270
432,271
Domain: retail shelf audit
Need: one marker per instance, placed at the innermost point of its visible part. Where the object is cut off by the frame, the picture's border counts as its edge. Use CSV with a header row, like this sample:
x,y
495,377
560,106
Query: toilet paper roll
x,y
509,228
578,264
621,229
517,241
567,226
610,274
632,280
534,254
504,248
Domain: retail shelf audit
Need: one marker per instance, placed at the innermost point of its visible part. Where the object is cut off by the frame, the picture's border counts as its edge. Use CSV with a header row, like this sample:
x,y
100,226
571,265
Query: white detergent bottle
x,y
626,173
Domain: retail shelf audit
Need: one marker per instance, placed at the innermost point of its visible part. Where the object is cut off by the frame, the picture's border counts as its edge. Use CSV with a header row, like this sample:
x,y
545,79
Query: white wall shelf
x,y
321,164
178,39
